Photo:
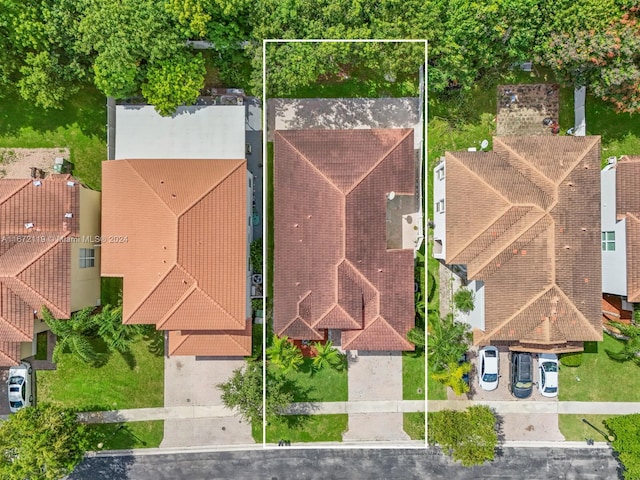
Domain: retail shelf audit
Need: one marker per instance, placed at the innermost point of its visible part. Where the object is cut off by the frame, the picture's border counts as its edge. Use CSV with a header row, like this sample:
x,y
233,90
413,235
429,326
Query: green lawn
x,y
124,436
303,428
111,387
413,367
414,423
600,378
326,385
358,88
79,125
111,290
574,429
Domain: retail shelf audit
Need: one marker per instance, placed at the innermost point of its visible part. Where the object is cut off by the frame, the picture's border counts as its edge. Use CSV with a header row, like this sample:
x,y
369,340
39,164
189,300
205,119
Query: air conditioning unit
x,y
612,160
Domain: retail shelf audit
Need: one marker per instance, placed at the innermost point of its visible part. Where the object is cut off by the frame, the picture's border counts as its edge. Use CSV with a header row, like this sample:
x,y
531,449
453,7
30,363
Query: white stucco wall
x,y
614,263
439,217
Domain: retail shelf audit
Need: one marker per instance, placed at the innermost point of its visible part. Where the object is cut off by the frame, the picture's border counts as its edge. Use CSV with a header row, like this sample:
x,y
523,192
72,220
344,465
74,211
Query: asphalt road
x,y
291,464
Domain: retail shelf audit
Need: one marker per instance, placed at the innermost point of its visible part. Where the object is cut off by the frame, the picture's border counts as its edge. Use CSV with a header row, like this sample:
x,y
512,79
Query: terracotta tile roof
x,y
534,233
332,266
35,266
231,343
185,259
628,205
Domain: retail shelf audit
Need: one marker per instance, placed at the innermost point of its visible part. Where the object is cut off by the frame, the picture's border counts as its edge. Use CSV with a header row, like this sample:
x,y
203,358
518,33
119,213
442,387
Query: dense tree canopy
x,y
41,443
49,48
625,429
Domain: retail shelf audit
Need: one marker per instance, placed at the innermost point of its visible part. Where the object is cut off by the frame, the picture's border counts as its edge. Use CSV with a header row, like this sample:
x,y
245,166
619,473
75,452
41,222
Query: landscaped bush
x,y
463,300
571,359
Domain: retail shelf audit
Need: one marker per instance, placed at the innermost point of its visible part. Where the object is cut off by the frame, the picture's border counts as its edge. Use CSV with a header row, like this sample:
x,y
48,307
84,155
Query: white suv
x,y
20,389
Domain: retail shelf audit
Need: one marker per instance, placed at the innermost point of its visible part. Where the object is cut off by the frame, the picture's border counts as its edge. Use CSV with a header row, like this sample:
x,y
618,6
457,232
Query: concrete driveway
x,y
375,376
192,381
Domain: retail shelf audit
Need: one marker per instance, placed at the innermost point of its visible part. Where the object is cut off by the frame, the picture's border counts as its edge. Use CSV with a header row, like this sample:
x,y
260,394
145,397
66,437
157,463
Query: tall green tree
x,y
284,355
625,429
174,82
44,442
467,436
243,393
119,337
631,349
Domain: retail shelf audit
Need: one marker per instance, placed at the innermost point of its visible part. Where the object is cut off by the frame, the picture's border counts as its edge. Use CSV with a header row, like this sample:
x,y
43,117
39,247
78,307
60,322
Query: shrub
x,y
571,359
463,300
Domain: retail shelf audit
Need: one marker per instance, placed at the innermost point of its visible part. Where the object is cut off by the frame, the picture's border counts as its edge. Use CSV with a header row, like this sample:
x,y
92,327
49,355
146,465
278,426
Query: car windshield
x,y
490,377
551,389
550,366
523,385
17,404
16,380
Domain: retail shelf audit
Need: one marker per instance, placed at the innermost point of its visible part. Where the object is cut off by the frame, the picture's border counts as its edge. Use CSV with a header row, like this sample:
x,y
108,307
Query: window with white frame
x,y
87,257
609,241
440,173
440,206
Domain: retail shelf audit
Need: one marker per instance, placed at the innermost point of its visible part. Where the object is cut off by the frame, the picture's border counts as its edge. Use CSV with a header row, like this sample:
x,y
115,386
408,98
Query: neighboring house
x,y
620,237
522,222
339,270
177,229
48,257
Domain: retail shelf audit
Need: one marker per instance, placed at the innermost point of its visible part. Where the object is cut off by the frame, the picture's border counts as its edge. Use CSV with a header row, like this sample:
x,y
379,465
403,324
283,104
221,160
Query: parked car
x,y
548,374
488,368
20,389
521,375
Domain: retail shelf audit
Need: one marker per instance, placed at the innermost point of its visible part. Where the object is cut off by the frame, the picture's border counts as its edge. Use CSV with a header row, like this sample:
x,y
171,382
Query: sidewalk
x,y
389,406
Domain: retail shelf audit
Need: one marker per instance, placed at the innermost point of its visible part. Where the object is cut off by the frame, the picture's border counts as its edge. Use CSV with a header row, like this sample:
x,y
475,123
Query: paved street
x,y
352,464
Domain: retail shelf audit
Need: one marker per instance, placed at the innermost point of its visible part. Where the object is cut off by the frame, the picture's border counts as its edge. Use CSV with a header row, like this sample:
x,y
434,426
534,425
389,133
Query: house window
x,y
87,257
609,241
440,174
440,206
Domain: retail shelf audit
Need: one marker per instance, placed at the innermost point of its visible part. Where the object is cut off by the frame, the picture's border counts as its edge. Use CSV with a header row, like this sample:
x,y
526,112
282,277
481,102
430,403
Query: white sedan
x,y
488,368
20,389
548,374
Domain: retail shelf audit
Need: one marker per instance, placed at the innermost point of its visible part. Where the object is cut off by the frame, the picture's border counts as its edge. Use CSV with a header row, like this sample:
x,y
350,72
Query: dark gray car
x,y
521,375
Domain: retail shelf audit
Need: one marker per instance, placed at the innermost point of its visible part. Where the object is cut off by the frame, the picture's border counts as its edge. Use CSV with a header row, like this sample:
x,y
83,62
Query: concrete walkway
x,y
389,406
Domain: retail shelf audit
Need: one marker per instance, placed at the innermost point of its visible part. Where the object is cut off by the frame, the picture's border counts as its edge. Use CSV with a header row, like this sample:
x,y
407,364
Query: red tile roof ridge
x,y
504,141
165,318
382,158
18,187
150,188
20,332
55,311
595,139
241,163
452,155
311,164
499,216
544,217
295,319
45,251
7,358
379,318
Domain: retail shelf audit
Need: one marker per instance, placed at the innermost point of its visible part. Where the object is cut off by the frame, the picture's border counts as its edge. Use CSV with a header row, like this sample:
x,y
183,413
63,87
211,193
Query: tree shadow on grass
x,y
129,359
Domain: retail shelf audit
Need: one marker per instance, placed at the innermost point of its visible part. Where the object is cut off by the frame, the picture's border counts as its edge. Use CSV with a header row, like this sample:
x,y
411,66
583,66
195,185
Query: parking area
x,y
502,392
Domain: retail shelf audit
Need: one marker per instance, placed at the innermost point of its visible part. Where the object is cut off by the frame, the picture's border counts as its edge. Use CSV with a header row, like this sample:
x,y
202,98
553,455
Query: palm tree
x,y
448,340
453,376
284,355
118,336
73,335
327,356
631,339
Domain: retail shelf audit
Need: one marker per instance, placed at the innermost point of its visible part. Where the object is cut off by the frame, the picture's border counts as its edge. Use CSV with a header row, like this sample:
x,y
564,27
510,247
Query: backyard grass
x,y
574,429
600,378
413,368
79,125
414,425
124,436
111,387
303,428
326,385
111,290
